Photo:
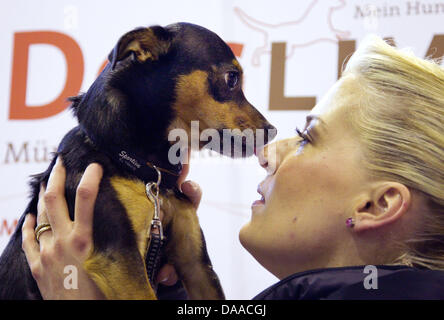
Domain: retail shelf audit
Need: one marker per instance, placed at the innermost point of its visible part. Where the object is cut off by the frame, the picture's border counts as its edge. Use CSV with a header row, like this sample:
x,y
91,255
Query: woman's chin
x,y
242,234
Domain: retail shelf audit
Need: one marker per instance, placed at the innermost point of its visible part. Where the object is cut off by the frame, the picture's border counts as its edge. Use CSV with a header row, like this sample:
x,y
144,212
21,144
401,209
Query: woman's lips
x,y
261,201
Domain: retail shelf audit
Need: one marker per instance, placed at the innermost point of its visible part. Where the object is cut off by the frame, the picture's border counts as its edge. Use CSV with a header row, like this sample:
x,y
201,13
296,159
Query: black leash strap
x,y
153,257
155,235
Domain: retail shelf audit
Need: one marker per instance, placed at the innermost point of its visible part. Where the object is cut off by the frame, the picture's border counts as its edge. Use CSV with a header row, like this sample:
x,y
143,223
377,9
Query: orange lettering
x,y
7,229
102,67
18,110
236,48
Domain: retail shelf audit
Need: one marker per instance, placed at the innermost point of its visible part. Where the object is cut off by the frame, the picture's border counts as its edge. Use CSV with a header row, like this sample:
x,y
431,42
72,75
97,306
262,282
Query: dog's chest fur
x,y
140,210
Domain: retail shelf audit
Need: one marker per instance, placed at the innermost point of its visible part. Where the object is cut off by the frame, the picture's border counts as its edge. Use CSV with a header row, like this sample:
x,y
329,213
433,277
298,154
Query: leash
x,y
156,239
143,170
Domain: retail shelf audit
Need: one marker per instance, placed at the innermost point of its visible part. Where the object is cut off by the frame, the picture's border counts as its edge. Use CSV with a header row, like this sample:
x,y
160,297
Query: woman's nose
x,y
267,157
271,156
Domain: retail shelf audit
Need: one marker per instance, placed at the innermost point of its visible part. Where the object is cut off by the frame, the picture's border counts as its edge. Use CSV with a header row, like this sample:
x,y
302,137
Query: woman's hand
x,y
65,247
56,262
167,274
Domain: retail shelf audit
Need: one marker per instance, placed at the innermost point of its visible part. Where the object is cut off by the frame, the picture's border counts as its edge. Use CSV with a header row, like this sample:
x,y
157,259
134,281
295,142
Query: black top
x,y
382,282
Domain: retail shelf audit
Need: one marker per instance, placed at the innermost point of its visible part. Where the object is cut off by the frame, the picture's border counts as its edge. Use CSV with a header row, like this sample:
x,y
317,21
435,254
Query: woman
x,y
362,184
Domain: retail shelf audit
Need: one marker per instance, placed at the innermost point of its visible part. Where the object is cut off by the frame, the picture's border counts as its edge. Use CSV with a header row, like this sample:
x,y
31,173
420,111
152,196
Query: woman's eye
x,y
231,79
304,135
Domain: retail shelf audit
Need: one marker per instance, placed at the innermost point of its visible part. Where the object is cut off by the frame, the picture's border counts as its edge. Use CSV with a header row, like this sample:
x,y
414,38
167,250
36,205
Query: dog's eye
x,y
231,79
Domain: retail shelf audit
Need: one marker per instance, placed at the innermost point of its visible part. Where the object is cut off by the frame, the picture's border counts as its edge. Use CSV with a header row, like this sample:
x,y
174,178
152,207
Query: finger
x,y
55,202
41,208
183,175
45,239
167,275
193,191
29,243
46,236
85,200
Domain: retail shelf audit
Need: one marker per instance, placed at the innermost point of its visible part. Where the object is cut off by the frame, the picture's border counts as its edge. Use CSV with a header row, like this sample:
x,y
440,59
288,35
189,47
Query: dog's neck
x,y
131,161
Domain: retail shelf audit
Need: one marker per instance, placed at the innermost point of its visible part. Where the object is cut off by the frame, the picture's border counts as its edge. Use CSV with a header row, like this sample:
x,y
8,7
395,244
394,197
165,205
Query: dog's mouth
x,y
237,145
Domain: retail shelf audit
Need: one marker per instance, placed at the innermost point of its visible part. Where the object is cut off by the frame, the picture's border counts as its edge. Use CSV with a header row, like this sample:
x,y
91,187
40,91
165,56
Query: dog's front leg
x,y
120,275
186,250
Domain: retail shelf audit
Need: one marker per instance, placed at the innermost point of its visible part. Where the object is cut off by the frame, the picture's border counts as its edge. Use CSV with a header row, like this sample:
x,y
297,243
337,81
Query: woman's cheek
x,y
290,179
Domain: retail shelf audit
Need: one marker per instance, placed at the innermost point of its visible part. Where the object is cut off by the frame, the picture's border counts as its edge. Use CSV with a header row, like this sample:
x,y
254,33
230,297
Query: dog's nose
x,y
270,132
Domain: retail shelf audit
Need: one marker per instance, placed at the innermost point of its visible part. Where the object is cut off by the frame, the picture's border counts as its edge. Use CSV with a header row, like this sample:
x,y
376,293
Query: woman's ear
x,y
387,203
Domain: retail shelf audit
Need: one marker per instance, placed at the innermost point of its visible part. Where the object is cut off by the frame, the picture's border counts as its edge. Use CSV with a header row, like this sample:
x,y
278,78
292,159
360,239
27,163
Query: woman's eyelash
x,y
305,137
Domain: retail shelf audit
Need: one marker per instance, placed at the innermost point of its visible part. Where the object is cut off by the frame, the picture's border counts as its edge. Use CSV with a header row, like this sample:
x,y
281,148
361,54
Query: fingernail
x,y
59,161
183,184
164,279
194,185
188,186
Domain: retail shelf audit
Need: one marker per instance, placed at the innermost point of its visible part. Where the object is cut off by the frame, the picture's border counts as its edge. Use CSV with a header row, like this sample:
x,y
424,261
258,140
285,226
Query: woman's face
x,y
311,189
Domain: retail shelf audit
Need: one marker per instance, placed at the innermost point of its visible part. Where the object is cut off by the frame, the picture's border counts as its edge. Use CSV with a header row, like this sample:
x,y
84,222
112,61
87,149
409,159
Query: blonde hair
x,y
400,126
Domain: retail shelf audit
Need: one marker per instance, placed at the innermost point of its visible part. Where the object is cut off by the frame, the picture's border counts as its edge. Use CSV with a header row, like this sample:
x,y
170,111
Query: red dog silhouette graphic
x,y
297,33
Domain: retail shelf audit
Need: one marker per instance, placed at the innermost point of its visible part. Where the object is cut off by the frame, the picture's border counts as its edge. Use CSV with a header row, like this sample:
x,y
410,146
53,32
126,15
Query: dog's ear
x,y
144,43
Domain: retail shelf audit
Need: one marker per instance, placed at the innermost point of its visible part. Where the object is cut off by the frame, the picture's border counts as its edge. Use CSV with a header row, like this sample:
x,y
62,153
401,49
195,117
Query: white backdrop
x,y
311,29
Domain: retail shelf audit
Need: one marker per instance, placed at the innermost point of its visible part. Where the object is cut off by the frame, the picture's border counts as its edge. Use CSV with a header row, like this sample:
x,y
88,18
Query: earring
x,y
350,222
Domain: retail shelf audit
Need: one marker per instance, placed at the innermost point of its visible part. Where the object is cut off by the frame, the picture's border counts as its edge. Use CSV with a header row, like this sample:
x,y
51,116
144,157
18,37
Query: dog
x,y
157,79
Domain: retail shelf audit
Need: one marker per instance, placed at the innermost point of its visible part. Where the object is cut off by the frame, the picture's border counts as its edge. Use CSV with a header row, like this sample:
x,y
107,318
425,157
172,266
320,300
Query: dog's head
x,y
164,78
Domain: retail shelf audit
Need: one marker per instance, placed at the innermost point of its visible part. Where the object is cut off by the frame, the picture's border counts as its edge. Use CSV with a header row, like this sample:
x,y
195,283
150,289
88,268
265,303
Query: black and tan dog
x,y
157,79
